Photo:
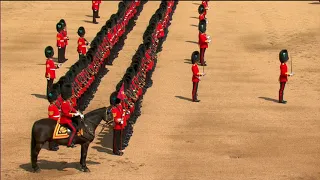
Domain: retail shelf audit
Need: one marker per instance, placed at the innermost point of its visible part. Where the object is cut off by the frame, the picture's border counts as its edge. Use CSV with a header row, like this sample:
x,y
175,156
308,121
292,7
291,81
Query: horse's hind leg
x,y
84,152
34,156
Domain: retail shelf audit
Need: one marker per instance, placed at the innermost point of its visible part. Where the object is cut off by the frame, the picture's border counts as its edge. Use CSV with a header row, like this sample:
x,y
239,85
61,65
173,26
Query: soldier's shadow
x,y
60,166
105,140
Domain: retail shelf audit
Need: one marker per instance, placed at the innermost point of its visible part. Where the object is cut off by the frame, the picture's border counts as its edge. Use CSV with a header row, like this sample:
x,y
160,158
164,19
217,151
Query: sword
x,y
291,67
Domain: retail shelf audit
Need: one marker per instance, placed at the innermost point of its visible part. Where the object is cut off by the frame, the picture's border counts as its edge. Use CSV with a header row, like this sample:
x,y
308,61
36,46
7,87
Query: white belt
x,y
57,116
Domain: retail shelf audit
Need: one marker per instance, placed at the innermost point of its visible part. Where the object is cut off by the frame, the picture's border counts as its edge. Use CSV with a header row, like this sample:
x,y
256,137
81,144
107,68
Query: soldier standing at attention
x,y
82,42
195,75
203,41
50,68
95,9
283,78
65,37
60,43
117,112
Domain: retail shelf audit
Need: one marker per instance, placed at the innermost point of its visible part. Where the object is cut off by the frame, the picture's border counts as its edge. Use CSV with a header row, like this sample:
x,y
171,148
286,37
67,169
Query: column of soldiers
x,y
77,85
126,100
204,39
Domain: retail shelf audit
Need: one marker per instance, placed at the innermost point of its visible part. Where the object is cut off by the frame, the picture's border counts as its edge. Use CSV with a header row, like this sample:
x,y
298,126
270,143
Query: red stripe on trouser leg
x,y
73,129
194,90
282,85
202,51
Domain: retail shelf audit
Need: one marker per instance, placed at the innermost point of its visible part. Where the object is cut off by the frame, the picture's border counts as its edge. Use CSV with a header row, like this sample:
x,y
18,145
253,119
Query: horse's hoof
x,y
85,169
36,170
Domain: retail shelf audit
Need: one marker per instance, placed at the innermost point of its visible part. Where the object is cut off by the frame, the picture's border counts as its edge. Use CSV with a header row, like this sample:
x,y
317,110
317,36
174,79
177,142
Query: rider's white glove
x,y
82,116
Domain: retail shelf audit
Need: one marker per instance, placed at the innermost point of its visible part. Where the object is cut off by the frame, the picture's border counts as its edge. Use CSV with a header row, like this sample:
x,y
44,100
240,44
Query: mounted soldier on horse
x,y
52,130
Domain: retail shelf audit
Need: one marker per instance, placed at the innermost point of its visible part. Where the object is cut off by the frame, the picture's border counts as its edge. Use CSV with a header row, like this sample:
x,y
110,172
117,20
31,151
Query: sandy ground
x,y
236,132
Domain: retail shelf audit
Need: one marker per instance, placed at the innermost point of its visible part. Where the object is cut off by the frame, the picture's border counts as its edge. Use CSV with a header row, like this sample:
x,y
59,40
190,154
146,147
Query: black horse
x,y
42,131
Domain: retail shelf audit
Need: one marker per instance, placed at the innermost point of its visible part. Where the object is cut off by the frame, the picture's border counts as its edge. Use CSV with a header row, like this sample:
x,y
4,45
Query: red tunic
x,y
117,115
65,36
66,110
283,70
95,5
82,47
202,40
53,112
195,71
60,40
50,69
202,16
160,30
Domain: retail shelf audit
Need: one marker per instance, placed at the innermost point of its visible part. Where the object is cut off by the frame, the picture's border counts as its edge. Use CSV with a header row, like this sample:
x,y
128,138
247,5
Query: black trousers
x,y
117,141
94,15
195,91
49,86
282,86
202,51
61,55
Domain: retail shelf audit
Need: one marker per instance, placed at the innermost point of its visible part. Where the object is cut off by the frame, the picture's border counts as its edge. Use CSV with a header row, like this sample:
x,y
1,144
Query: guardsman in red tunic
x,y
95,9
53,113
117,112
67,112
283,78
60,43
82,42
202,13
195,75
203,41
65,36
50,68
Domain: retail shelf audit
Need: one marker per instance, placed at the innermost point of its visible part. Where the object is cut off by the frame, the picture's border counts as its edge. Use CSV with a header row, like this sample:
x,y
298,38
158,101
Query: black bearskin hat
x,y
195,57
59,27
142,48
48,52
283,56
147,45
70,76
114,100
131,71
114,19
159,13
63,22
52,96
109,24
66,91
56,87
202,26
135,67
61,81
201,9
119,85
81,31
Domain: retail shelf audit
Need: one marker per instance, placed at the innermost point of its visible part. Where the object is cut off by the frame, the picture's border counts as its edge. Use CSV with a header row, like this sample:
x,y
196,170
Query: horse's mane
x,y
96,111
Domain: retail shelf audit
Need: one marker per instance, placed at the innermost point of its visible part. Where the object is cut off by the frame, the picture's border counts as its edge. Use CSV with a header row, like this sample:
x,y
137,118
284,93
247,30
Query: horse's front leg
x,y
84,151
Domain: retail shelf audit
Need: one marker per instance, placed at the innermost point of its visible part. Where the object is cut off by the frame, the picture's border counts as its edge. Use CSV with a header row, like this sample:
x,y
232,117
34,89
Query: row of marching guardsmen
x,y
126,100
81,75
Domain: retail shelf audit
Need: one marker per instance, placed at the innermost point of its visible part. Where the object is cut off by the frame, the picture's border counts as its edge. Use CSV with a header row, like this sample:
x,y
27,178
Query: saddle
x,y
62,131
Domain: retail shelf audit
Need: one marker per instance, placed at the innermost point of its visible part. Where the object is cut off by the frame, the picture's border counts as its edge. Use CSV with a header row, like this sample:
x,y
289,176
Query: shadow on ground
x,y
60,166
40,96
106,140
184,98
269,99
194,42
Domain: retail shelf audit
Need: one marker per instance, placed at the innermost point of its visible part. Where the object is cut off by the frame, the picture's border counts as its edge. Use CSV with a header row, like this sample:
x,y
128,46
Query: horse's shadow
x,y
106,141
60,166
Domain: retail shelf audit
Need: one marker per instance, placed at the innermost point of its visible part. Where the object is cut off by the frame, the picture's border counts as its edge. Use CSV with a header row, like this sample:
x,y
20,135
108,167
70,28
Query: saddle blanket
x,y
61,132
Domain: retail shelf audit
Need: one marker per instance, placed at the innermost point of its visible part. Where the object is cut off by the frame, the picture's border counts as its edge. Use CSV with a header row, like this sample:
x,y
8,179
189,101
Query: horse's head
x,y
109,116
